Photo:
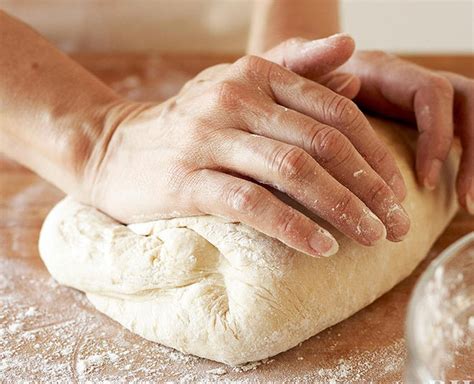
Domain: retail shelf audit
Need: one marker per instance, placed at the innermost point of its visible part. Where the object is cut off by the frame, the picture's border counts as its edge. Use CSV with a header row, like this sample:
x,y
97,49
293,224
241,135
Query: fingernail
x,y
323,243
431,180
398,222
397,184
371,228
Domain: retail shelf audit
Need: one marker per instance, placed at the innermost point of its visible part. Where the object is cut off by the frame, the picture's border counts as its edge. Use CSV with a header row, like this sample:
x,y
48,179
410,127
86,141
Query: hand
x,y
234,127
399,89
436,100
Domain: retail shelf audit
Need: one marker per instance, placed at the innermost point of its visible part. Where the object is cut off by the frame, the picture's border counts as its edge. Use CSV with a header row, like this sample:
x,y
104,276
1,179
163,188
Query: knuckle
x,y
290,163
442,145
342,111
226,94
331,147
441,85
378,191
250,64
243,197
289,223
257,69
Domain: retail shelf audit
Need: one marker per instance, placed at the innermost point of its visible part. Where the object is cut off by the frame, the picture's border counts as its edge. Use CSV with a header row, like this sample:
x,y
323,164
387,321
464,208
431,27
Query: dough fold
x,y
223,291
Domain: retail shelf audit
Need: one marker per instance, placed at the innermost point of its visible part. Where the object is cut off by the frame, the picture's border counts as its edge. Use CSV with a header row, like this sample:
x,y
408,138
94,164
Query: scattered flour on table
x,y
217,371
60,337
357,367
52,333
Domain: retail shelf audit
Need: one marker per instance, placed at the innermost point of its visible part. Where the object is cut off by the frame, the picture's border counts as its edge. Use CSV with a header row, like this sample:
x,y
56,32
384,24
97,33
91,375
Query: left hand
x,y
441,103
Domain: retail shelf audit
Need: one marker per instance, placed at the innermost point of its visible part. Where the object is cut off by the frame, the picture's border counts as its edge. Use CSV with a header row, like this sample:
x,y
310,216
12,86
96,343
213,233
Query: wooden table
x,y
48,332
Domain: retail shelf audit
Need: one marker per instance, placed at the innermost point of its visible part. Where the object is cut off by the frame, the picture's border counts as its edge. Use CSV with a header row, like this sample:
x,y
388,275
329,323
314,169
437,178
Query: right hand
x,y
209,149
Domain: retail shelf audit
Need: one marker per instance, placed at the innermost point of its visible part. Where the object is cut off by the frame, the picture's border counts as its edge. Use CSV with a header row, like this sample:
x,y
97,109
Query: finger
x,y
318,102
293,171
398,88
335,153
225,195
316,59
312,58
464,126
433,105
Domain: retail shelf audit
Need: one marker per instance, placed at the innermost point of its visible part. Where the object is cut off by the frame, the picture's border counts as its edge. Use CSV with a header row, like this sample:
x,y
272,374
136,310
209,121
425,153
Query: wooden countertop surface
x,y
48,332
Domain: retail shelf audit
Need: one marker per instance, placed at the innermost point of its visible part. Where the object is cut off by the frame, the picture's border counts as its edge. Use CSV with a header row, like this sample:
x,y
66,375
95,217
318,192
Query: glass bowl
x,y
440,322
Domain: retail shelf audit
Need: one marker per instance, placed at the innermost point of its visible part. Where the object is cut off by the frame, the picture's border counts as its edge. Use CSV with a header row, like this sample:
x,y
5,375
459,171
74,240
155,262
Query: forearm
x,y
276,20
53,112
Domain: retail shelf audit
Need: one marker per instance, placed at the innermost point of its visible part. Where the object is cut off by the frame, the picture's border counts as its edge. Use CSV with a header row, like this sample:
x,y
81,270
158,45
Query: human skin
x,y
208,150
440,103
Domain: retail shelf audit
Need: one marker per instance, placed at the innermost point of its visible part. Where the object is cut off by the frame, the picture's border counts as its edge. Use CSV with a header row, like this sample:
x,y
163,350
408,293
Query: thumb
x,y
312,58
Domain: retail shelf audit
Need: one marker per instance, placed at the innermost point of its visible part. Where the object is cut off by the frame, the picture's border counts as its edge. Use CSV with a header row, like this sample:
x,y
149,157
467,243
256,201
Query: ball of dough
x,y
223,291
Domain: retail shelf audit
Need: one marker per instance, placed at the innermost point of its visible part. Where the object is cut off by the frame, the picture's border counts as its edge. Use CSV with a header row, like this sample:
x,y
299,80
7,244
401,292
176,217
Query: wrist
x,y
90,130
95,147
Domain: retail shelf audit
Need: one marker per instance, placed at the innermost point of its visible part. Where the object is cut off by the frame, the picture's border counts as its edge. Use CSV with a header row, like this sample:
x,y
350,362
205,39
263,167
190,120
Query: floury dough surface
x,y
224,291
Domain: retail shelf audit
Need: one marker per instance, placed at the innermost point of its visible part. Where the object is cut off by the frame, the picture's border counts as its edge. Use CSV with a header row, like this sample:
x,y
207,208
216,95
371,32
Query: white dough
x,y
224,291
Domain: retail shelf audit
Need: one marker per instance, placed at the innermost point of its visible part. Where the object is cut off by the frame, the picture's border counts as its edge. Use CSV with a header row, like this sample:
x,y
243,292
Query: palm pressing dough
x,y
223,291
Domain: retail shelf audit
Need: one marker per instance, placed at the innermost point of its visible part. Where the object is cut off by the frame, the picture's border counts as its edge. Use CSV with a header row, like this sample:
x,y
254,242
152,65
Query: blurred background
x,y
400,26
